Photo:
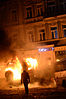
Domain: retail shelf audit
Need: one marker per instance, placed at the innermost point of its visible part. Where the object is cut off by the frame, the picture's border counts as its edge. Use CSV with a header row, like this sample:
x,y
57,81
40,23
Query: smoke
x,y
5,54
45,69
3,83
37,85
5,51
4,41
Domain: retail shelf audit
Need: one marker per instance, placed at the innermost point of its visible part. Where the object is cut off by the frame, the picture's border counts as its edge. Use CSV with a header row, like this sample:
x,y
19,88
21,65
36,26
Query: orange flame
x,y
32,63
16,69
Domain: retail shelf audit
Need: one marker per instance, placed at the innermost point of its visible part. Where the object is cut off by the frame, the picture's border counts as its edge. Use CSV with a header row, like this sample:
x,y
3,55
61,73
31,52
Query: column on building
x,y
60,31
33,11
35,33
47,31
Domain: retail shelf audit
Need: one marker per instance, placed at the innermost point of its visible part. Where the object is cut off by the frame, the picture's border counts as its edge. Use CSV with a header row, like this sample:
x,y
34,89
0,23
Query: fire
x,y
32,63
16,69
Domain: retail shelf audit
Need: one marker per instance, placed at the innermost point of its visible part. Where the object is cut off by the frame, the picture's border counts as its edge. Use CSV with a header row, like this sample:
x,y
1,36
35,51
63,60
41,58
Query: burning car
x,y
40,65
14,68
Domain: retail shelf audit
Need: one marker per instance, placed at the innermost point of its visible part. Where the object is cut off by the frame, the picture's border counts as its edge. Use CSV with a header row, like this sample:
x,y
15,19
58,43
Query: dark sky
x,y
3,0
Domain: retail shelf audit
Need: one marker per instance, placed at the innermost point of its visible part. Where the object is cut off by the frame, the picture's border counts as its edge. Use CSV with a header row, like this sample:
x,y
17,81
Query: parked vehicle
x,y
60,73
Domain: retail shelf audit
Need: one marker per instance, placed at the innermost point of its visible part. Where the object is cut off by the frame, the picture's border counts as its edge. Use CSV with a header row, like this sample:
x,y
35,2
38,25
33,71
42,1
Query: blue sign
x,y
45,49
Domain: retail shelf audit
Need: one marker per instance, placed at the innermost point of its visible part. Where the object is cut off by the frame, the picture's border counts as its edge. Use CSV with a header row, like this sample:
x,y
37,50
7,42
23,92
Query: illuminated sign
x,y
45,49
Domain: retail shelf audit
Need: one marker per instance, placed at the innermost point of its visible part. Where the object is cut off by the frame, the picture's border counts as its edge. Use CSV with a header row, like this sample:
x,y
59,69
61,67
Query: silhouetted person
x,y
26,79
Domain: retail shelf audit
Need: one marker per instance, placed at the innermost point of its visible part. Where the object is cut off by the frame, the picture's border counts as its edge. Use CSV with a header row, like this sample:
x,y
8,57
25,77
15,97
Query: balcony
x,y
34,19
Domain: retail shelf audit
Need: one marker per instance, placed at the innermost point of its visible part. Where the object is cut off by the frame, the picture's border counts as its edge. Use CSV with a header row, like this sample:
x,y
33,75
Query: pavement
x,y
34,93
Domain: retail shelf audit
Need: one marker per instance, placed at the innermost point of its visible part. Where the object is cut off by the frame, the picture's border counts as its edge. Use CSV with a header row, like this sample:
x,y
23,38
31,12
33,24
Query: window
x,y
60,53
51,3
14,15
64,29
42,35
29,12
61,61
63,6
64,33
54,32
51,8
51,11
39,10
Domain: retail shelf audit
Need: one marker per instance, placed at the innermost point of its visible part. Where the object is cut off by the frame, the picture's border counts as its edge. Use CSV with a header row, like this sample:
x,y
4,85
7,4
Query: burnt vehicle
x,y
40,62
13,71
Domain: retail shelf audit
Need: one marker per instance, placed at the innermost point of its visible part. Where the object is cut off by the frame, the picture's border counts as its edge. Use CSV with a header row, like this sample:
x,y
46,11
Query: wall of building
x,y
29,21
47,26
11,21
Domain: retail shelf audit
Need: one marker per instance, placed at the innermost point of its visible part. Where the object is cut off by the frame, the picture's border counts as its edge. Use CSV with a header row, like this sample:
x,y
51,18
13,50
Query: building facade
x,y
29,22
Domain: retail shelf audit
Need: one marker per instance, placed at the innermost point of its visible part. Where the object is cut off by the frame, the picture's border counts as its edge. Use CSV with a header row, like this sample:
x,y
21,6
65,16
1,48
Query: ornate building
x,y
34,21
45,23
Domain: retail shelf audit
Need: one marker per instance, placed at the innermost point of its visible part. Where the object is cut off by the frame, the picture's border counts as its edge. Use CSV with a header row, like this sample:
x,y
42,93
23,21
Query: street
x,y
34,93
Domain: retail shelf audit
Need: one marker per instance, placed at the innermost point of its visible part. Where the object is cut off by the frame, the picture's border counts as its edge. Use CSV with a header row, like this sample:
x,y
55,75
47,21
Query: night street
x,y
34,93
32,49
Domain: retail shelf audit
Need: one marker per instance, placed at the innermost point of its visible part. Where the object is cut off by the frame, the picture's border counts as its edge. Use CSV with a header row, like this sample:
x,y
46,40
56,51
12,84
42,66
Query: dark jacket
x,y
25,77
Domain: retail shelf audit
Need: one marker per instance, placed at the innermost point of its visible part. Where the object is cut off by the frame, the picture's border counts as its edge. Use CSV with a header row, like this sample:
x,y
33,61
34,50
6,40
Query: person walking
x,y
25,78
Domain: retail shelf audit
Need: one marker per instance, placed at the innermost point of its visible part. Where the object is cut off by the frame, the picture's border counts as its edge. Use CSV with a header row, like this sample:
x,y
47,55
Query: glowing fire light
x,y
32,63
57,60
16,69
